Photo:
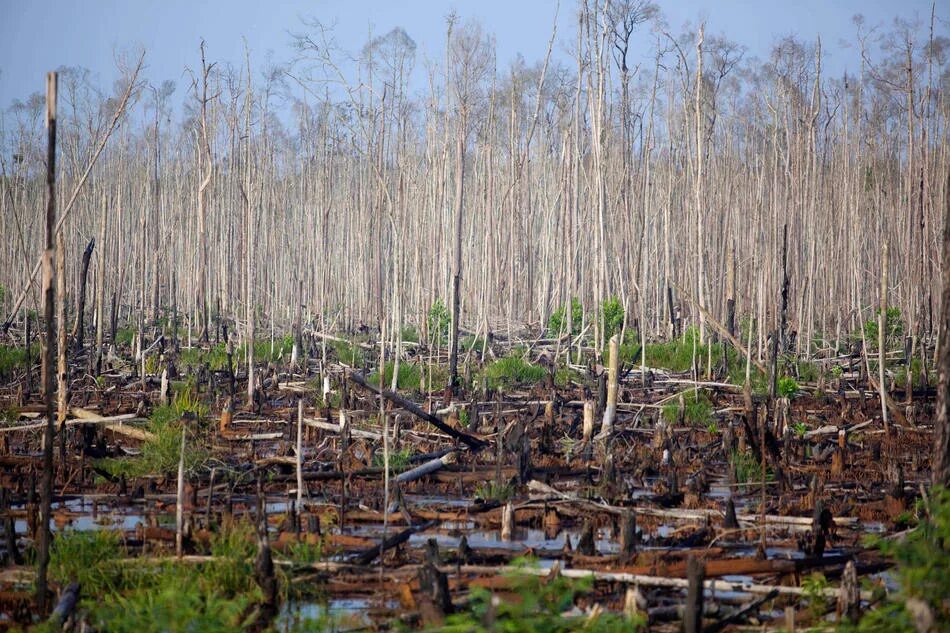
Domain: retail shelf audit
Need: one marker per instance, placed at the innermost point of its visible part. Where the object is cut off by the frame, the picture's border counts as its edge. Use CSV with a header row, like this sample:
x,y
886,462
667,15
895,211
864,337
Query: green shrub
x,y
398,460
13,358
787,387
922,570
893,328
557,324
438,320
160,454
493,491
87,557
611,317
124,337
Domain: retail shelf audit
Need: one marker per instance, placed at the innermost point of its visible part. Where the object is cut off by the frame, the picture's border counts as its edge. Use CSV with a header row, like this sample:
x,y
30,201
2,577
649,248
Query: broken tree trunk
x,y
471,441
79,326
46,488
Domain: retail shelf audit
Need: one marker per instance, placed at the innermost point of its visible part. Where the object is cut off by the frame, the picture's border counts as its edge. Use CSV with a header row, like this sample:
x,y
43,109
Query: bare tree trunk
x,y
941,456
46,488
79,328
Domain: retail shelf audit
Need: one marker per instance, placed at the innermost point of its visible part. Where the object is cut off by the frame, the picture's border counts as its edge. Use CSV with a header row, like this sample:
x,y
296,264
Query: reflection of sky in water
x,y
333,615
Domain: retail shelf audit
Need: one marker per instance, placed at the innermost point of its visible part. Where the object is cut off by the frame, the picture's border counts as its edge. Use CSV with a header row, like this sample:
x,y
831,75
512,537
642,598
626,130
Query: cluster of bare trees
x,y
329,182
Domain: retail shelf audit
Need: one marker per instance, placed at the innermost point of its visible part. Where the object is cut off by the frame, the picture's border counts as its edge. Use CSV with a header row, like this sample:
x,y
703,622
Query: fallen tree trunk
x,y
471,441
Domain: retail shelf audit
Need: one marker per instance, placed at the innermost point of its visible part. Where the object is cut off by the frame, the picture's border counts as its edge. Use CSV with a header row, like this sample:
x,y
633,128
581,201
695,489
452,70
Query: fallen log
x,y
368,555
427,468
652,581
471,441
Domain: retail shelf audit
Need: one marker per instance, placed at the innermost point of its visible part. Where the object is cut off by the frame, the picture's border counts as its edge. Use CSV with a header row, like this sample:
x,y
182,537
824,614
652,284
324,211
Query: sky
x,y
37,36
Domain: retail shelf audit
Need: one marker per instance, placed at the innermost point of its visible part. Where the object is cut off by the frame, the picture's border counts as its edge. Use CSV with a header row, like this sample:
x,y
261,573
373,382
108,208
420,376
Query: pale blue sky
x,y
36,36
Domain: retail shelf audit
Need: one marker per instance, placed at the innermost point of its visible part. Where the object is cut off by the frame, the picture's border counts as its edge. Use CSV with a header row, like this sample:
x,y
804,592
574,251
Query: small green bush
x,y
557,324
922,570
893,328
787,387
438,320
612,317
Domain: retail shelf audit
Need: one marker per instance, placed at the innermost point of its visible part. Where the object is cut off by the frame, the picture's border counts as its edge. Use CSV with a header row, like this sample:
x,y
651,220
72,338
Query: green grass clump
x,y
536,604
747,467
161,453
217,595
348,353
124,336
408,377
13,358
410,334
472,343
564,376
893,329
398,460
493,491
807,371
87,557
696,409
511,371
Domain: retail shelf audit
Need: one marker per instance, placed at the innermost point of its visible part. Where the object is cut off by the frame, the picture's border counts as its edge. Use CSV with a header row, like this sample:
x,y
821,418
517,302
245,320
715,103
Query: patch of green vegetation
x,y
629,352
408,377
511,371
124,336
564,376
438,320
800,429
787,387
807,371
893,329
304,553
493,491
169,596
473,343
348,353
13,358
916,371
538,604
87,557
410,334
922,571
696,408
611,317
160,454
814,586
747,467
398,460
557,324
677,355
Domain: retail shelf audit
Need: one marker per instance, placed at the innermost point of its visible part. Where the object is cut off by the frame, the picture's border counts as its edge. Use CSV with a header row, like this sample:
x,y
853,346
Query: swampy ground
x,y
799,509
